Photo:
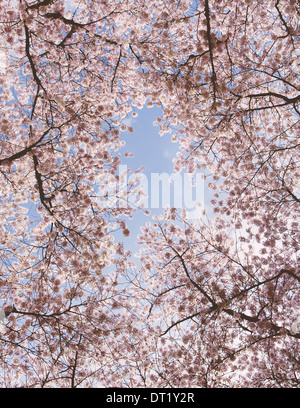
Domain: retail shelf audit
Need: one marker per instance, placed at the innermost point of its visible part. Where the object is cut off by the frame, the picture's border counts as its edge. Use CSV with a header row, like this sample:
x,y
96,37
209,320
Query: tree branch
x,y
29,56
210,46
115,71
45,200
24,151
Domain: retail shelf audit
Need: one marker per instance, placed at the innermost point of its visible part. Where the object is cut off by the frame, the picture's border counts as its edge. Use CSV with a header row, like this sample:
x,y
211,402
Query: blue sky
x,y
151,151
149,148
155,153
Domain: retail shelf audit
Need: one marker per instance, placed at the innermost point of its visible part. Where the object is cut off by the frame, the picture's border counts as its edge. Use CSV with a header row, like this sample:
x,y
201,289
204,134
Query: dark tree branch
x,y
210,46
283,21
195,284
24,151
29,56
40,4
115,70
46,201
75,364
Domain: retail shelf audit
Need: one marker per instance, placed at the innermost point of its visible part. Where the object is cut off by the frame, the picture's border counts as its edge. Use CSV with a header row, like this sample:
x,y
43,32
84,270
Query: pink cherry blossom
x,y
210,303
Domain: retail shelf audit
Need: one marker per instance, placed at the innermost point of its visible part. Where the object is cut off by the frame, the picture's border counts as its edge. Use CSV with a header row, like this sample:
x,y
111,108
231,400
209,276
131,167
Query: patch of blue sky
x,y
154,155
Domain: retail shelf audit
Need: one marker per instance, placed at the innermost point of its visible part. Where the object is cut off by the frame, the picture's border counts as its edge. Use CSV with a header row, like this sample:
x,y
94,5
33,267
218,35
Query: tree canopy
x,y
210,304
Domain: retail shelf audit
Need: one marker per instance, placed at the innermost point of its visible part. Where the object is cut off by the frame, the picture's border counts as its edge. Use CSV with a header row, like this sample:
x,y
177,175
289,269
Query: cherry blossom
x,y
212,303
